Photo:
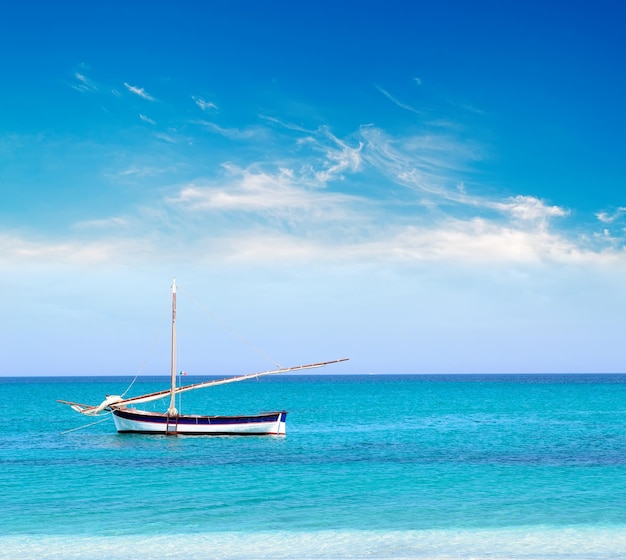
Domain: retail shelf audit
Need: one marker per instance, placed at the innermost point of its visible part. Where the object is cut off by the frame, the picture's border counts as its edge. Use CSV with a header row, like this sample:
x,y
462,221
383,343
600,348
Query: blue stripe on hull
x,y
202,420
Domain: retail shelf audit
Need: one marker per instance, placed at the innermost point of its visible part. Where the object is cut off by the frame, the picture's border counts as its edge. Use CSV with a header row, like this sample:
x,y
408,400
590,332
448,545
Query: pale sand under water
x,y
504,544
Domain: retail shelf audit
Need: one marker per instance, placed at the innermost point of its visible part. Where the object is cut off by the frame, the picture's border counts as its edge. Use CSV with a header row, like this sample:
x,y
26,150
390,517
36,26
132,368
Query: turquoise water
x,y
372,467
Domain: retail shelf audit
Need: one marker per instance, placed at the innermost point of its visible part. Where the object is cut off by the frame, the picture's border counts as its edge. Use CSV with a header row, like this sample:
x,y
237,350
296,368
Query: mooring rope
x,y
87,425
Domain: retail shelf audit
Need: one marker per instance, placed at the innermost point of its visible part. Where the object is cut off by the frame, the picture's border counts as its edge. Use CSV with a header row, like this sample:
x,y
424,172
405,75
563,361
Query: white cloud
x,y
607,218
16,250
479,241
528,208
474,243
301,226
252,191
146,119
140,92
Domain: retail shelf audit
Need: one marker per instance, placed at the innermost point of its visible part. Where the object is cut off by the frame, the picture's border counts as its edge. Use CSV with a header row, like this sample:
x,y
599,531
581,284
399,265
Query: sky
x,y
423,187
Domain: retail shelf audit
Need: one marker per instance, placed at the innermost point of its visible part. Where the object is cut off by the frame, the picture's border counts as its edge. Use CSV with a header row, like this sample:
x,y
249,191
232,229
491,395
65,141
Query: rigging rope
x,y
219,321
154,341
231,330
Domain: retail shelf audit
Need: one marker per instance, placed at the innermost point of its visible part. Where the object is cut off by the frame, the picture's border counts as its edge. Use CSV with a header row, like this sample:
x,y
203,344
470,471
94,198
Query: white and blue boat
x,y
129,419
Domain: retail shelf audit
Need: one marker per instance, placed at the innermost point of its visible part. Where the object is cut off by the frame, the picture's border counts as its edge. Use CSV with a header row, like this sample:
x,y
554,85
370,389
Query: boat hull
x,y
143,422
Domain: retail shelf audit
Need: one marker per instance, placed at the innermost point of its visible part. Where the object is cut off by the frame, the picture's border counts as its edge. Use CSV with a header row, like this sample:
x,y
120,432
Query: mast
x,y
171,411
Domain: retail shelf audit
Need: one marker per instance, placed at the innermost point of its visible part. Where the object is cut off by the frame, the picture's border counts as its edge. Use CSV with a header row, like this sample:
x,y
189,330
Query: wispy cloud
x,y
204,105
231,133
82,83
432,164
285,124
169,138
139,91
140,171
435,166
471,109
340,158
399,103
146,119
114,222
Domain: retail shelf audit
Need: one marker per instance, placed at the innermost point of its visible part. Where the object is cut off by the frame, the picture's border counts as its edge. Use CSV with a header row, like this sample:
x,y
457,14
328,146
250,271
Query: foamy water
x,y
505,544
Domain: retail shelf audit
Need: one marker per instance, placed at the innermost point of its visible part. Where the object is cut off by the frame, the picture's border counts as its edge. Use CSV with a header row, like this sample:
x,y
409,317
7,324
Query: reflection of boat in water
x,y
129,419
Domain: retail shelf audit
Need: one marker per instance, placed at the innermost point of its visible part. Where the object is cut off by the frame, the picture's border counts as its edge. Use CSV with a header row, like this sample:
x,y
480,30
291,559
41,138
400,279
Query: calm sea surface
x,y
438,467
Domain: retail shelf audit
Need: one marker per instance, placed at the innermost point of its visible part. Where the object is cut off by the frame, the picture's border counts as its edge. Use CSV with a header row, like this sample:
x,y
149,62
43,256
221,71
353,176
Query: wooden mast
x,y
171,411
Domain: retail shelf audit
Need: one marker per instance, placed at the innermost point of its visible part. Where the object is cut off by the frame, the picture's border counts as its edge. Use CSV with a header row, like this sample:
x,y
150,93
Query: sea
x,y
372,467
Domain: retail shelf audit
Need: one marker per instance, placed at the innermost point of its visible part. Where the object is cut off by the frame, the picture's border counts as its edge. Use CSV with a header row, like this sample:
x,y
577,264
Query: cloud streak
x,y
146,119
139,91
231,133
83,83
431,164
397,102
204,105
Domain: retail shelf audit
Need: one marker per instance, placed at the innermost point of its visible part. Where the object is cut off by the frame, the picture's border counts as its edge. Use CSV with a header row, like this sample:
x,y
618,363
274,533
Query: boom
x,y
113,401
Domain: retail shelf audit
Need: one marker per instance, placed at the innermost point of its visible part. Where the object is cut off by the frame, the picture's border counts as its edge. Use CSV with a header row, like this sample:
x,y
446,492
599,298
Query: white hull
x,y
138,421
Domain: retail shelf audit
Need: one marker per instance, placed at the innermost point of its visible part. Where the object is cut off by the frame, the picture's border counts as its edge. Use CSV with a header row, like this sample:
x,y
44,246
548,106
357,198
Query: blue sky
x,y
423,187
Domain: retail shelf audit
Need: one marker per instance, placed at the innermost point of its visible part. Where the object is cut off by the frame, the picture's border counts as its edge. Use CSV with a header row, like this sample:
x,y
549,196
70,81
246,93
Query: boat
x,y
129,419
